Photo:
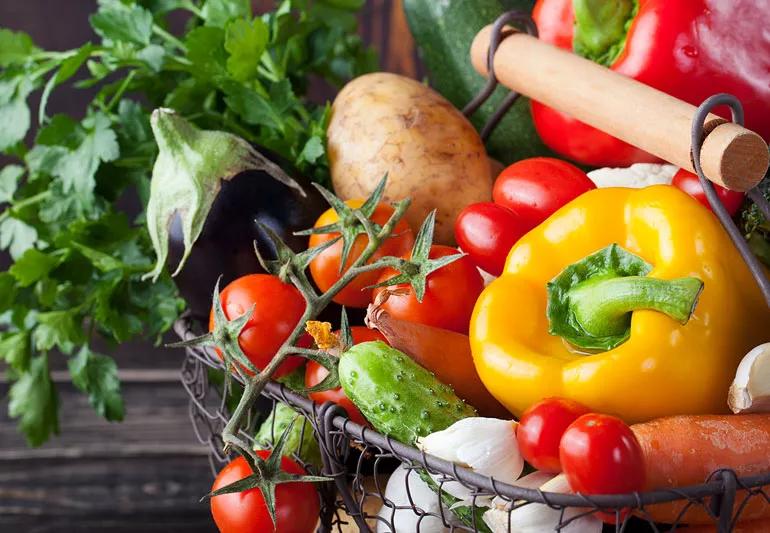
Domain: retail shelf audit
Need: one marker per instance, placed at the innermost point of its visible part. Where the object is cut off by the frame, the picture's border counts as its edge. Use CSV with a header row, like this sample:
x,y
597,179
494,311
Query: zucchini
x,y
443,31
400,398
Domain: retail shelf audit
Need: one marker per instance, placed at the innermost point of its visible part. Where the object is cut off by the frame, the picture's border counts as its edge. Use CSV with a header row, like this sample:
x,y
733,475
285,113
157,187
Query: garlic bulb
x,y
538,517
422,497
750,391
487,446
636,176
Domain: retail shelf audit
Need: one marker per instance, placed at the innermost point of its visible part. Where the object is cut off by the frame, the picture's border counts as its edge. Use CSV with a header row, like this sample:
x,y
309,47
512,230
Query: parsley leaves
x,y
78,259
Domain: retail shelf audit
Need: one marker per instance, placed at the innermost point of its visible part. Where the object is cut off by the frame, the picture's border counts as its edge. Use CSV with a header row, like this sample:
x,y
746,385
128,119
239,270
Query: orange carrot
x,y
445,353
683,450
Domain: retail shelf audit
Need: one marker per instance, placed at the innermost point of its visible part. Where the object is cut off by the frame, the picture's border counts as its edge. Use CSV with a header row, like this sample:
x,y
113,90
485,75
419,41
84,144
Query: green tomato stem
x,y
603,306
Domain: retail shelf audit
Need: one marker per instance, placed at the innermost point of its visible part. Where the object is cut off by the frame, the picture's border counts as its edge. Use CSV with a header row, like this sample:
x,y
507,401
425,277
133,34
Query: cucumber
x,y
400,398
443,31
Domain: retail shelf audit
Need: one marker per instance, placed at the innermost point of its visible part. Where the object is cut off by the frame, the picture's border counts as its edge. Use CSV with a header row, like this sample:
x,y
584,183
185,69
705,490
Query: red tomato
x,y
278,307
541,428
296,504
450,294
316,372
600,455
487,231
325,267
689,183
535,188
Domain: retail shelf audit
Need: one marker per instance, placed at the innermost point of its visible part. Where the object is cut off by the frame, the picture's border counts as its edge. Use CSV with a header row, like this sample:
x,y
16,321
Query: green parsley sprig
x,y
78,258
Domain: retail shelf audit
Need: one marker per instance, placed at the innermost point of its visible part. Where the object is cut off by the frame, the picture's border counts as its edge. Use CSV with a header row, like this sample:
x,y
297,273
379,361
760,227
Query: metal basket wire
x,y
358,459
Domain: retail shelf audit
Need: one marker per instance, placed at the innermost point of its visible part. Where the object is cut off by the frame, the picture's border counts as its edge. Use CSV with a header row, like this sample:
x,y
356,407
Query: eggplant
x,y
209,192
225,246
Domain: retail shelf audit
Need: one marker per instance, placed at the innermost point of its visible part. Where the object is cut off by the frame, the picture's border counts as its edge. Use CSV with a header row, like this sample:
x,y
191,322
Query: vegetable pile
x,y
590,334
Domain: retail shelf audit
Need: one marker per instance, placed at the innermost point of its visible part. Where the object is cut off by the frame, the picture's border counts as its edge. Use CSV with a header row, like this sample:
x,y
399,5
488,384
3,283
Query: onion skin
x,y
445,353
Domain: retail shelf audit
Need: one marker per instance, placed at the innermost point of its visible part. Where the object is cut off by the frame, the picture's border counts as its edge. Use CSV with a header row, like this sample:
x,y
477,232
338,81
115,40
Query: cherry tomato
x,y
541,428
535,188
600,455
689,183
450,294
316,372
296,504
486,232
278,307
325,267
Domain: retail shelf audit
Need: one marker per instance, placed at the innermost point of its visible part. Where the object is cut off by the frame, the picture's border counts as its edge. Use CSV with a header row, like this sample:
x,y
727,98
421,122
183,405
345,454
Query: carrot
x,y
445,353
684,450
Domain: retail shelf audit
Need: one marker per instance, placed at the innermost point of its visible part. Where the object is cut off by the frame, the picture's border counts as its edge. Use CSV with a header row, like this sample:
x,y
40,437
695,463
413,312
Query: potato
x,y
384,123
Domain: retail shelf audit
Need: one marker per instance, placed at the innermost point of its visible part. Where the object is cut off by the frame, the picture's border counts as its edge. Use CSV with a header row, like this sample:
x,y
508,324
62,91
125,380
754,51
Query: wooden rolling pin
x,y
732,156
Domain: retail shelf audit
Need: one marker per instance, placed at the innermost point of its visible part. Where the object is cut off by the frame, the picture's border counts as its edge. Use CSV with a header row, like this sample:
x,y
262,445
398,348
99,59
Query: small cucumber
x,y
399,397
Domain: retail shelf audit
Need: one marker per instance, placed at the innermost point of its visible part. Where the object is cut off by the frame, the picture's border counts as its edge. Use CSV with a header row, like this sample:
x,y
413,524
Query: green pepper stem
x,y
601,27
602,306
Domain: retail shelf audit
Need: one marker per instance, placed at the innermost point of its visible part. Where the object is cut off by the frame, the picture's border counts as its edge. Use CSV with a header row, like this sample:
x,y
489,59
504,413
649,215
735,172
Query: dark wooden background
x,y
147,473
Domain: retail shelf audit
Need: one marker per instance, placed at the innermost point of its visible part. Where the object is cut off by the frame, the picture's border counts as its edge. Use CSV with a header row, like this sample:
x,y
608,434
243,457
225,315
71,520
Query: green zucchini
x,y
443,31
399,397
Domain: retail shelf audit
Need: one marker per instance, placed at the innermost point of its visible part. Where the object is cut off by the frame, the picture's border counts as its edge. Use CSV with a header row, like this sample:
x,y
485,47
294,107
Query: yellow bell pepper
x,y
659,365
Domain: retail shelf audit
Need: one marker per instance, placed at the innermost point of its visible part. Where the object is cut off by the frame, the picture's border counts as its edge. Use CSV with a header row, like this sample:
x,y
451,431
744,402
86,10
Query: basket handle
x,y
731,155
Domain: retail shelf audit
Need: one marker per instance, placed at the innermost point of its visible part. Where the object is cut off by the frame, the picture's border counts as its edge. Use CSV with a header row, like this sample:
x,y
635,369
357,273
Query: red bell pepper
x,y
690,49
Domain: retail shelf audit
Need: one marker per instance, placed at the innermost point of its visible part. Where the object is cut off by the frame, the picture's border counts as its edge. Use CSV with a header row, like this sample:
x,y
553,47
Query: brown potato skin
x,y
385,123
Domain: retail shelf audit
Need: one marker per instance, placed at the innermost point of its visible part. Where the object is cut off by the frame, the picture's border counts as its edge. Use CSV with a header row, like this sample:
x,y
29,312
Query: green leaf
x,y
58,328
78,168
9,181
32,266
33,399
14,349
16,236
102,261
61,130
219,12
68,68
14,113
245,42
153,55
15,47
206,51
116,21
7,291
312,151
97,375
43,160
252,107
134,122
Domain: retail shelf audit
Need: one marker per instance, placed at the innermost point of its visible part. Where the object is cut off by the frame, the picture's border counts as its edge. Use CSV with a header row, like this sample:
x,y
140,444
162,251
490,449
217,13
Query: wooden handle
x,y
656,122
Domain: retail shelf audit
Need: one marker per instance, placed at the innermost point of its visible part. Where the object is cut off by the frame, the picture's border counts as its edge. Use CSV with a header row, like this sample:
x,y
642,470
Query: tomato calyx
x,y
267,474
288,265
351,222
415,270
224,336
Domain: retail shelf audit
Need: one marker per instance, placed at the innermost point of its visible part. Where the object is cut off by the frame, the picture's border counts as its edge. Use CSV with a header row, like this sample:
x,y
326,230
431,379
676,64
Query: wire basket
x,y
359,460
